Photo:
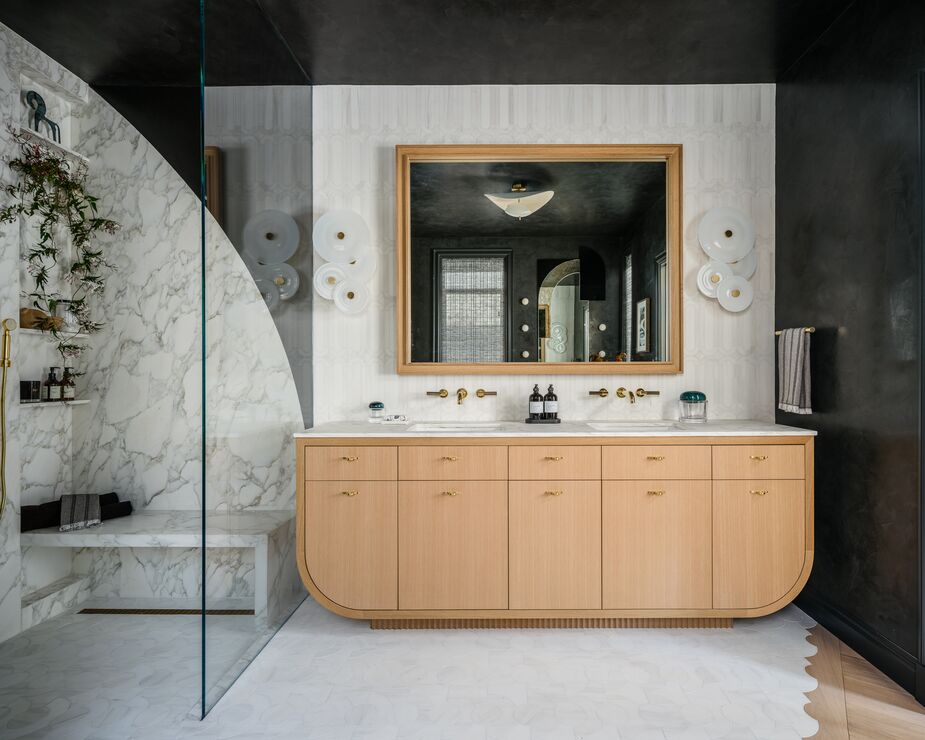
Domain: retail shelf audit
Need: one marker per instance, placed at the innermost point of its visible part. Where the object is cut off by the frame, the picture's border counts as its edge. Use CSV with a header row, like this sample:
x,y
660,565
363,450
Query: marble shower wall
x,y
38,443
728,136
140,433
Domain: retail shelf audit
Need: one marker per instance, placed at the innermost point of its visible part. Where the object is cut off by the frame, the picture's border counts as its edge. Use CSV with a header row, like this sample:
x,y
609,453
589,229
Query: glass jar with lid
x,y
376,411
693,407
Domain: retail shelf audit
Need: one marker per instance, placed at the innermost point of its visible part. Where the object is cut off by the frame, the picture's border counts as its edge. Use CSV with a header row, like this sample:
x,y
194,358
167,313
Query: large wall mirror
x,y
527,259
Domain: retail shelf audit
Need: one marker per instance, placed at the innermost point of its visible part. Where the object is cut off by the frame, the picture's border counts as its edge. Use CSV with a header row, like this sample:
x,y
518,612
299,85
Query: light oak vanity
x,y
685,527
552,524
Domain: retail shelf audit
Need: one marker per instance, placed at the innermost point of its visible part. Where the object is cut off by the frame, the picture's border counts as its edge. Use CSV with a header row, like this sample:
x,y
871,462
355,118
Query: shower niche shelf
x,y
40,333
54,146
78,402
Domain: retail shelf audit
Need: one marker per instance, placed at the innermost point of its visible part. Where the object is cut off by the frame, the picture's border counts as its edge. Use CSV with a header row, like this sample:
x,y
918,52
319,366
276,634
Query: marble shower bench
x,y
267,532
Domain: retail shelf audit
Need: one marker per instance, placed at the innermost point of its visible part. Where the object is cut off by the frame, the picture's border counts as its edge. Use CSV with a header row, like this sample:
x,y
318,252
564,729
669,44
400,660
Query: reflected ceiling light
x,y
519,203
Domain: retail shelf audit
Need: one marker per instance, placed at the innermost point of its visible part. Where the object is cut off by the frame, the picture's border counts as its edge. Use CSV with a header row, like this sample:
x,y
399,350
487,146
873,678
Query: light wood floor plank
x,y
827,702
877,707
854,700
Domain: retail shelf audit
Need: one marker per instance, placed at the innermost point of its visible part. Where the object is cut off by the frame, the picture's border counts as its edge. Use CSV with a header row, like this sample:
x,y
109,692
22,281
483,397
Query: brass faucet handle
x,y
602,393
642,393
481,393
443,393
621,392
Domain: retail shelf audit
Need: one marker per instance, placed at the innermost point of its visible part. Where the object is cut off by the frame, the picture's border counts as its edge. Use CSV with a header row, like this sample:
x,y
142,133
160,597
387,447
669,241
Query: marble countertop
x,y
650,428
168,529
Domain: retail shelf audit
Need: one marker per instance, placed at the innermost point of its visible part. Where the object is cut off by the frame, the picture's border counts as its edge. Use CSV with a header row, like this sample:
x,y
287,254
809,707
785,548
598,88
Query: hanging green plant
x,y
50,188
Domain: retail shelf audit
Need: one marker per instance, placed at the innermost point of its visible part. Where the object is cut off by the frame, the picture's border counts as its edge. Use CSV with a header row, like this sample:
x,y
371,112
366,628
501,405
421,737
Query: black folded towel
x,y
116,510
79,511
41,516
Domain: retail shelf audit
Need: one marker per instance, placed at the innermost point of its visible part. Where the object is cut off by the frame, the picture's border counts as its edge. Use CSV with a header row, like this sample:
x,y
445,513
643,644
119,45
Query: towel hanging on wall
x,y
793,376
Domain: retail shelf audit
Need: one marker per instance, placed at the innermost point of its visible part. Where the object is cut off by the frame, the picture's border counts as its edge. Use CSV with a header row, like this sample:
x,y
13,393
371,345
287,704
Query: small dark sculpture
x,y
37,103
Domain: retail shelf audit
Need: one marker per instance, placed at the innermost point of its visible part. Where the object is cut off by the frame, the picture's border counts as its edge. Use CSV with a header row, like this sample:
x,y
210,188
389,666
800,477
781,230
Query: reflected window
x,y
472,307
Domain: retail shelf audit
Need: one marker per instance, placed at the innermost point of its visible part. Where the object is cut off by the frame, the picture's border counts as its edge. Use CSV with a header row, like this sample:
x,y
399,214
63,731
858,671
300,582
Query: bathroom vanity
x,y
608,524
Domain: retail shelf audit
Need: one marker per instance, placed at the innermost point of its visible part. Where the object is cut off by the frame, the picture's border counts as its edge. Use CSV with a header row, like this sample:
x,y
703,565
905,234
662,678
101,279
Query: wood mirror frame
x,y
670,154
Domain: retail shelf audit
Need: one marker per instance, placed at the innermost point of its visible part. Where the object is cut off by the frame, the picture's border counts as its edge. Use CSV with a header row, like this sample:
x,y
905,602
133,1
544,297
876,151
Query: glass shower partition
x,y
257,220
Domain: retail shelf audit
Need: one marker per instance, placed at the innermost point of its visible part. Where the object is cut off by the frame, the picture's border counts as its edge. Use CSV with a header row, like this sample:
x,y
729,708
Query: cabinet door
x,y
758,541
656,545
452,551
555,536
351,542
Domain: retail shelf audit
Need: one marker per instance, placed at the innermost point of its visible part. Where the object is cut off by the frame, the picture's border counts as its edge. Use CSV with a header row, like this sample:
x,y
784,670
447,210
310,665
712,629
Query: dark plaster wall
x,y
849,261
648,241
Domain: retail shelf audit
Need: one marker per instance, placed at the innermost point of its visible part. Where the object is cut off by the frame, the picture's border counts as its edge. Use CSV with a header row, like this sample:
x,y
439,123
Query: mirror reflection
x,y
538,261
562,261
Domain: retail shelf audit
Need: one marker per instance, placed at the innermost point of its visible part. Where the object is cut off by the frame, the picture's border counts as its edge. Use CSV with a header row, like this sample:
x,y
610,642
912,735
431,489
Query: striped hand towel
x,y
79,511
793,381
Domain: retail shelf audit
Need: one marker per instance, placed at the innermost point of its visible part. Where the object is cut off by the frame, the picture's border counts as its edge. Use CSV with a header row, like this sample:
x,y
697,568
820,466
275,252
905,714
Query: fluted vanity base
x,y
551,623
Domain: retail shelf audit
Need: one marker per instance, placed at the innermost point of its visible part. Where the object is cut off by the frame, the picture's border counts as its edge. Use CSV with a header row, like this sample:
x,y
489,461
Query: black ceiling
x,y
156,42
591,198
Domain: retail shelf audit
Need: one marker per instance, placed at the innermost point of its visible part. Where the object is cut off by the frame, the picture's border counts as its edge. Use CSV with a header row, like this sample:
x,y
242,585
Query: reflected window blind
x,y
628,345
472,320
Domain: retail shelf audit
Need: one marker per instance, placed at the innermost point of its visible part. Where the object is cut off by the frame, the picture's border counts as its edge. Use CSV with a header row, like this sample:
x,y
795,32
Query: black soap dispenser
x,y
536,405
551,406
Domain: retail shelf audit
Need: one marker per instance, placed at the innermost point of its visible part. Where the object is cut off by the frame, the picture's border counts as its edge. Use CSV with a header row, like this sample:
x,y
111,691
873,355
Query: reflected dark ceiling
x,y
592,198
156,42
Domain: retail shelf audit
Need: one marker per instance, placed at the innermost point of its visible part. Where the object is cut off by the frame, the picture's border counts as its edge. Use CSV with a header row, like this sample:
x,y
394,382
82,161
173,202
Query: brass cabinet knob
x,y
760,493
350,458
554,493
450,493
349,493
443,393
554,458
656,493
655,457
450,458
481,393
758,458
601,392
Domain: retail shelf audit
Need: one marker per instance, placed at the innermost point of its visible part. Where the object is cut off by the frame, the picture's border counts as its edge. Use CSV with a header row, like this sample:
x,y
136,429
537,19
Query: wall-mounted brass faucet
x,y
639,393
461,394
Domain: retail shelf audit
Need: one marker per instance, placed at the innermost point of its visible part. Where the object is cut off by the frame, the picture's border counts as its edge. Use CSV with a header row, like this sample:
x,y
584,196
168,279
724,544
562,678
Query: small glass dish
x,y
693,407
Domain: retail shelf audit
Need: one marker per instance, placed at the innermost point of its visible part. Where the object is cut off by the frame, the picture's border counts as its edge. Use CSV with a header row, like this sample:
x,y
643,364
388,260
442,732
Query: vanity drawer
x,y
548,462
453,462
351,463
664,462
741,462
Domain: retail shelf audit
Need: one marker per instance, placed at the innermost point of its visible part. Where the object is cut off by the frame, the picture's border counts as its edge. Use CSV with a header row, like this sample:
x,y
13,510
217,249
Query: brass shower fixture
x,y
5,364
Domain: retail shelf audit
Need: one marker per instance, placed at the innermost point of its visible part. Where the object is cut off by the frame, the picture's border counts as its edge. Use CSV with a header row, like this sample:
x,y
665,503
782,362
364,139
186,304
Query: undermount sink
x,y
638,427
455,426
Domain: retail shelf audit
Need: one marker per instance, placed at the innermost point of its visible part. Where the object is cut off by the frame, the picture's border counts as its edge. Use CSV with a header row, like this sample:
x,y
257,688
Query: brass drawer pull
x,y
450,493
758,458
760,493
450,458
351,458
554,493
655,457
656,493
554,458
349,493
